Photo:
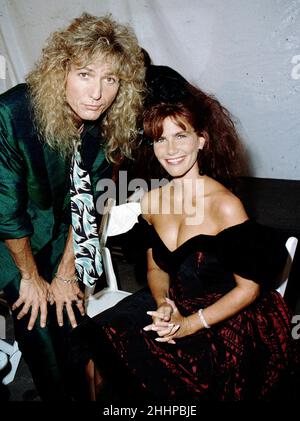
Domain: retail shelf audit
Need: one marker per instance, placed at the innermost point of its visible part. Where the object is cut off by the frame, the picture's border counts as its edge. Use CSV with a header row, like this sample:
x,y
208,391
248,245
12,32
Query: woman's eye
x,y
181,136
159,140
83,75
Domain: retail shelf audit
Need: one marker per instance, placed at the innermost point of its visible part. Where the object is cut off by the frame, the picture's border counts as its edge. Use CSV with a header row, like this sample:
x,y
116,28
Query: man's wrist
x,y
27,275
71,280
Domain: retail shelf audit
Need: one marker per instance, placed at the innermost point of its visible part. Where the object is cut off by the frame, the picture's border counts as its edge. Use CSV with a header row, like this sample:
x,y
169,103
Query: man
x,y
83,96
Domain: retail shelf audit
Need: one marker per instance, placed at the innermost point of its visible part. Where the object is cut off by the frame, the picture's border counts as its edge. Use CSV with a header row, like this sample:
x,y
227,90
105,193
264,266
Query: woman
x,y
213,327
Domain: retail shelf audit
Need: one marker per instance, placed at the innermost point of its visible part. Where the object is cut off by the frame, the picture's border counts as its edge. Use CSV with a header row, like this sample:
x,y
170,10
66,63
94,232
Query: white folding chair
x,y
8,353
115,220
291,245
14,356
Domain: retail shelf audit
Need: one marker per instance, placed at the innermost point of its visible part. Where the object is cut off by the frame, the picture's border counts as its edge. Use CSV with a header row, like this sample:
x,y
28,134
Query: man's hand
x,y
33,294
64,288
64,293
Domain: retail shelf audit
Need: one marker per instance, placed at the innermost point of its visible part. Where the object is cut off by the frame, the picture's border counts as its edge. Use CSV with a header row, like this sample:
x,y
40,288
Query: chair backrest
x,y
291,245
105,222
115,220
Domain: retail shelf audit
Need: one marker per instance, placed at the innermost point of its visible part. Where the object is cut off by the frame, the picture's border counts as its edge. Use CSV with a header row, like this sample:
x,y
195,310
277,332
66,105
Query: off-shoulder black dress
x,y
244,357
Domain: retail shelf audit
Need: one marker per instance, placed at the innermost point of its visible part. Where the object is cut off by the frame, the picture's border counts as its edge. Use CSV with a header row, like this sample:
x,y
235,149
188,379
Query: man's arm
x,y
33,288
64,287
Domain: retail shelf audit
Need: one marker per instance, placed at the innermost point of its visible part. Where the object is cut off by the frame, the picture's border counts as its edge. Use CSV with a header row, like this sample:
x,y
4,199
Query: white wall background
x,y
245,52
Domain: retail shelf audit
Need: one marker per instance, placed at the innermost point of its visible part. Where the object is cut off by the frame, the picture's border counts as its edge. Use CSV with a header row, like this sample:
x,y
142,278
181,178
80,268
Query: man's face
x,y
92,89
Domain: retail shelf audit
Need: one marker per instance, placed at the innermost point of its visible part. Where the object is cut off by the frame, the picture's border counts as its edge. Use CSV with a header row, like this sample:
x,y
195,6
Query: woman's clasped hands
x,y
168,323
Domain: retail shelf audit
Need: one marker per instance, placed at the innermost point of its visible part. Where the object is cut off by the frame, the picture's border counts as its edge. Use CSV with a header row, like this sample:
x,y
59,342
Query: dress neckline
x,y
193,238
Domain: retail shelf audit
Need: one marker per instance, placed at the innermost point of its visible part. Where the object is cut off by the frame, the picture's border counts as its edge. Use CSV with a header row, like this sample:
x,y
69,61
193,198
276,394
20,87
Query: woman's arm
x,y
240,297
159,283
227,211
227,306
158,280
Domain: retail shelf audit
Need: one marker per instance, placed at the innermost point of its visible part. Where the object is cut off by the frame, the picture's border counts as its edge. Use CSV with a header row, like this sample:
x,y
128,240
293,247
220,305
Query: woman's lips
x,y
174,161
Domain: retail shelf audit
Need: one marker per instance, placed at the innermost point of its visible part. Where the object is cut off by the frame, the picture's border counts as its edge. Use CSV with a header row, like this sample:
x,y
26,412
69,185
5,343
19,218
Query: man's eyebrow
x,y
89,69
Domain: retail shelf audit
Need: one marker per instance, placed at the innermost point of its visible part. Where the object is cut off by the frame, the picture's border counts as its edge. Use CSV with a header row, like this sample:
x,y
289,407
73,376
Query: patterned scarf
x,y
85,233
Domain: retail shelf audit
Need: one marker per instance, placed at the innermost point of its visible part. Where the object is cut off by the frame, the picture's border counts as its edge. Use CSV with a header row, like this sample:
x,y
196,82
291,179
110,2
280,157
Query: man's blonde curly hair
x,y
81,43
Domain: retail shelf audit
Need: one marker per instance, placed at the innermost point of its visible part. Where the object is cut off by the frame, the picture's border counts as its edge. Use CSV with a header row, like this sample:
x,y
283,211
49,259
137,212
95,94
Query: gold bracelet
x,y
67,281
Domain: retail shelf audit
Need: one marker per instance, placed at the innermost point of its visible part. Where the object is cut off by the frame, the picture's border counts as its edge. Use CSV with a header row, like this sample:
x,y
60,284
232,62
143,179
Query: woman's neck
x,y
189,187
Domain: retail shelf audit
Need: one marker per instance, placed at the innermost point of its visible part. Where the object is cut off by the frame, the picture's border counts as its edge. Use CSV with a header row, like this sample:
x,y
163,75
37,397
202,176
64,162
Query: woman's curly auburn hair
x,y
222,156
87,38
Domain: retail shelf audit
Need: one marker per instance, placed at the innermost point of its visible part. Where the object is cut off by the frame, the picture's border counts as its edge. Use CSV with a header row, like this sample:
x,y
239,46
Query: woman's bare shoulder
x,y
226,208
150,203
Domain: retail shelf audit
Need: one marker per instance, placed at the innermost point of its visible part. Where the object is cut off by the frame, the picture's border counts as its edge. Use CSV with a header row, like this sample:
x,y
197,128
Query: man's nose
x,y
96,91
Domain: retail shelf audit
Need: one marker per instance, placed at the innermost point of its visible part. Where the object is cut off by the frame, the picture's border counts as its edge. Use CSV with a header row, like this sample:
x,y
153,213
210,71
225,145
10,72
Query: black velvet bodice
x,y
207,263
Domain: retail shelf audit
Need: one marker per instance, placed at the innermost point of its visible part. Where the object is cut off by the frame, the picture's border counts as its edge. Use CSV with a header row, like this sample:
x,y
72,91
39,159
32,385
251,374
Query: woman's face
x,y
91,90
177,149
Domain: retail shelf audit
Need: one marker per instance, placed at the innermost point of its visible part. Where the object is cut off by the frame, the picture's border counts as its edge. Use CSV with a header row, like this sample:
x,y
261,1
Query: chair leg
x,y
2,327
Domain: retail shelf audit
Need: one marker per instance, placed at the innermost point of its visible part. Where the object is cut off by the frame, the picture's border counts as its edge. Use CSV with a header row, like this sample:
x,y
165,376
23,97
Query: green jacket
x,y
34,181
